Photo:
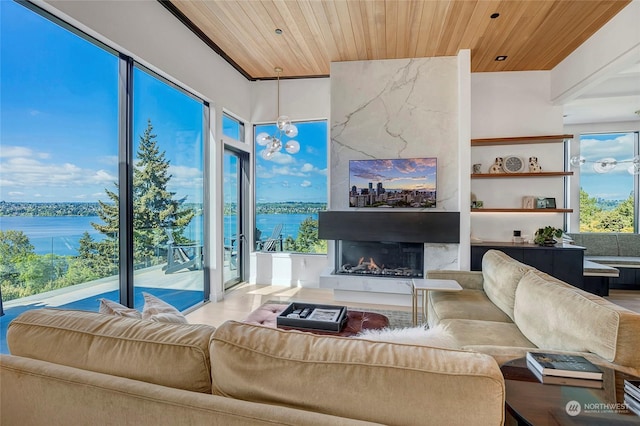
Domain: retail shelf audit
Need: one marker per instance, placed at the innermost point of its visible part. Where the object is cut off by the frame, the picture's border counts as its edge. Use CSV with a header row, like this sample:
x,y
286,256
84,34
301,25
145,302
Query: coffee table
x,y
533,403
423,286
357,321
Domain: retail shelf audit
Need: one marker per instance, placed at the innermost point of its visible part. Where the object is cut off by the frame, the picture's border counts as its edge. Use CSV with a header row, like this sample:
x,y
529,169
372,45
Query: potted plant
x,y
547,236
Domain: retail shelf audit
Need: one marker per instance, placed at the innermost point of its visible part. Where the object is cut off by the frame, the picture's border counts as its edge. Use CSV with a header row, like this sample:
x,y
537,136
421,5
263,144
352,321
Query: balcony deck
x,y
181,289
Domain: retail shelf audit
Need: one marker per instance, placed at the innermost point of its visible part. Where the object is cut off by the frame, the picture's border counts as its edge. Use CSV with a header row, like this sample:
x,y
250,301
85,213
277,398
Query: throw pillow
x,y
436,337
160,311
110,307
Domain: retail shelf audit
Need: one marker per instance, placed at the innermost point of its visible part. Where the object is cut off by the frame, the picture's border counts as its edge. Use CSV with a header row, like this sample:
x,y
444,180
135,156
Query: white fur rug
x,y
437,337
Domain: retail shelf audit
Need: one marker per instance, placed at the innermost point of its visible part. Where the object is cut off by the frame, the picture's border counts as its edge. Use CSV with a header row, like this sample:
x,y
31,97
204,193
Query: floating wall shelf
x,y
518,175
520,140
489,210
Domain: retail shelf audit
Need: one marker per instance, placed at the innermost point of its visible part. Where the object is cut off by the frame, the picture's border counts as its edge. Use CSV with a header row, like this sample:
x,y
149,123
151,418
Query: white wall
x,y
507,104
300,99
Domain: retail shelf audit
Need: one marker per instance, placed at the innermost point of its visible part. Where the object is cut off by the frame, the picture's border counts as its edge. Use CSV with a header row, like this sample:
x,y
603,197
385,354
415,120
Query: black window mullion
x,y
206,200
125,179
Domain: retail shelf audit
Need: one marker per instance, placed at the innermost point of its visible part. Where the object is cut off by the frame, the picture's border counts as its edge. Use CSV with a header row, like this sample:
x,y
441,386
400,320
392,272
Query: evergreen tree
x,y
307,238
155,212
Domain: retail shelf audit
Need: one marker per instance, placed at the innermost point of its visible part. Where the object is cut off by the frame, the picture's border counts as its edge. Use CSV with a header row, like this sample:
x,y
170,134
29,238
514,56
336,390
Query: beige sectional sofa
x,y
510,308
616,250
85,368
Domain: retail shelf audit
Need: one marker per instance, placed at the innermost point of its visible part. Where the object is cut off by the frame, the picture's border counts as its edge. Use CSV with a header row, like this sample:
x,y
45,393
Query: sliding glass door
x,y
234,212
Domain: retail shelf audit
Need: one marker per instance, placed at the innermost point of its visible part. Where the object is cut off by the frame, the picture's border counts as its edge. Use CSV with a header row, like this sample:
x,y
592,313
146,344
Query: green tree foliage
x,y
307,240
595,219
155,211
15,250
289,244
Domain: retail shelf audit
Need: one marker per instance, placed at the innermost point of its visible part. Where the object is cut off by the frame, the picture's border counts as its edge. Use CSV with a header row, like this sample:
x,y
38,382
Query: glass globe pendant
x,y
274,143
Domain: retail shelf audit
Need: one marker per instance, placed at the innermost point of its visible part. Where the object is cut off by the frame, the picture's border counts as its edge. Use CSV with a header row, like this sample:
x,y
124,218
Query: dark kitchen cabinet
x,y
565,262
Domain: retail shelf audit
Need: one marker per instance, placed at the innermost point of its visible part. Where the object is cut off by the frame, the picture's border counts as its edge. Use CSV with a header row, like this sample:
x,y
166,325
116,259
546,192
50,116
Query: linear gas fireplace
x,y
388,259
376,254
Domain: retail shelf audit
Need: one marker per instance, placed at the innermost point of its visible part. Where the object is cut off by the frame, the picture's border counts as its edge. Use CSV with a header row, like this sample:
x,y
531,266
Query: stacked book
x,y
562,369
632,395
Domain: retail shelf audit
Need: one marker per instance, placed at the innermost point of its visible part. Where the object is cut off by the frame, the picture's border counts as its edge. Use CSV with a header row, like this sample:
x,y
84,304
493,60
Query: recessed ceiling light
x,y
501,58
494,15
278,31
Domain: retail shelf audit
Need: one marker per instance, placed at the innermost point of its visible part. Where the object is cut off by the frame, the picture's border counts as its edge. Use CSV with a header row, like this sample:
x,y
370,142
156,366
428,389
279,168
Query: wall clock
x,y
513,164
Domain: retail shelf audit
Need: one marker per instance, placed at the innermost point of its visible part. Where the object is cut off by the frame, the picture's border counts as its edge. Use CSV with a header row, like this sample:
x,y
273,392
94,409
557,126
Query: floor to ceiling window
x,y
290,189
609,174
167,191
60,192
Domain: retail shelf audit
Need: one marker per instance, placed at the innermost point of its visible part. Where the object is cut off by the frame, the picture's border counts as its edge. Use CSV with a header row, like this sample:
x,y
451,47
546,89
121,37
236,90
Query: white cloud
x,y
307,167
185,177
281,158
305,184
619,148
16,194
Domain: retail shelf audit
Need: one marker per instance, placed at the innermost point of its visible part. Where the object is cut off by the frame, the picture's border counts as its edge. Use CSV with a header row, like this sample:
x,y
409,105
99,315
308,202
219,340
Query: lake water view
x,y
61,234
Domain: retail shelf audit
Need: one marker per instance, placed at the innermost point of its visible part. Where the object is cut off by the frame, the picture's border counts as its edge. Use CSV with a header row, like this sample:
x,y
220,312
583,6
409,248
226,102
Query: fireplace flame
x,y
371,265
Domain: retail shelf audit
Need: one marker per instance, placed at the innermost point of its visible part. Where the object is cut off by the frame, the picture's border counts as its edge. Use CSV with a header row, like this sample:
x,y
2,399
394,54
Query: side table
x,y
533,403
423,285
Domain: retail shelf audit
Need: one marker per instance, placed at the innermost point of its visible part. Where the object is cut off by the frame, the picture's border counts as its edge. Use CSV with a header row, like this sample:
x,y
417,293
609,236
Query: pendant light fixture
x,y
284,128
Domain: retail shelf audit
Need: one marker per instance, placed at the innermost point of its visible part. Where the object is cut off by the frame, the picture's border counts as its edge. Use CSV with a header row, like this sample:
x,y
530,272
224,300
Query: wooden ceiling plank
x,y
496,39
333,26
479,21
535,34
437,27
312,35
319,26
580,22
461,14
380,29
402,26
368,26
221,28
347,29
426,22
391,27
266,19
358,23
413,34
295,37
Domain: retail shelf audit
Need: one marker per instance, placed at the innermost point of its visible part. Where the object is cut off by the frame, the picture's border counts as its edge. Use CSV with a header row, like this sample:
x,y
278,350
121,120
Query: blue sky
x,y
298,177
616,184
410,174
59,115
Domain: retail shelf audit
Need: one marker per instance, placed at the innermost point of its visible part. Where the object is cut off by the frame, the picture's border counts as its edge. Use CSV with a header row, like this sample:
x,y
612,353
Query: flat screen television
x,y
399,183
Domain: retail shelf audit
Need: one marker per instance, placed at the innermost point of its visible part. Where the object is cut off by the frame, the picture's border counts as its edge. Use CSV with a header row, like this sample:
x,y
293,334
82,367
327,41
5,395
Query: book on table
x,y
563,365
632,388
632,403
564,381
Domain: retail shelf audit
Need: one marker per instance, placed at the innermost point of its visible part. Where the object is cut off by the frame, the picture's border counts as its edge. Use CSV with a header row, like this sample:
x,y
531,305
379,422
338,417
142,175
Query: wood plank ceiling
x,y
533,34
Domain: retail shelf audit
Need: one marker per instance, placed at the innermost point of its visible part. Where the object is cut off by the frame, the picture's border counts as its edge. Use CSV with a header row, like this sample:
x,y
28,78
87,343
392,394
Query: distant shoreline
x,y
84,209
